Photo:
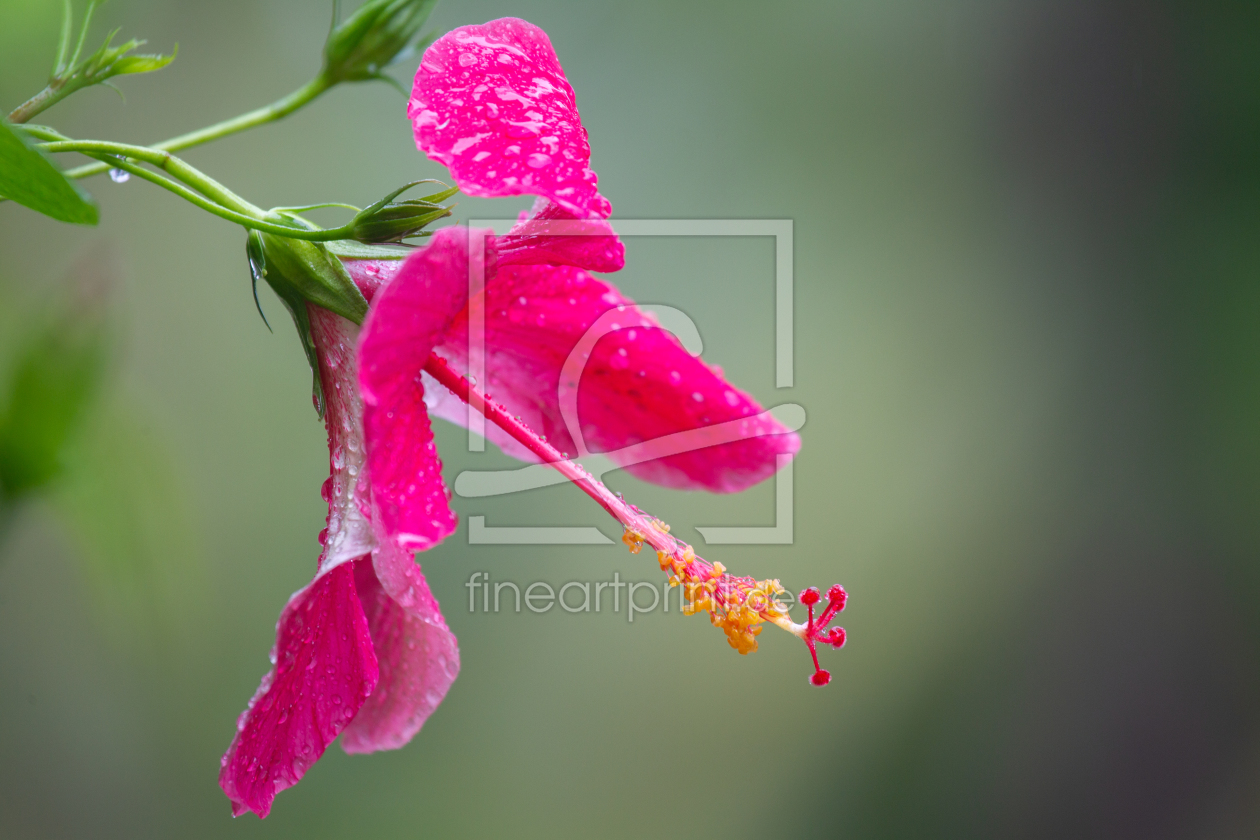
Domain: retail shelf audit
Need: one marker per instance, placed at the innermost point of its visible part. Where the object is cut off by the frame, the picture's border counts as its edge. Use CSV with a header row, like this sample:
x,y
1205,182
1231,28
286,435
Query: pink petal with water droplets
x,y
594,245
492,104
348,534
370,275
324,669
639,384
405,321
418,654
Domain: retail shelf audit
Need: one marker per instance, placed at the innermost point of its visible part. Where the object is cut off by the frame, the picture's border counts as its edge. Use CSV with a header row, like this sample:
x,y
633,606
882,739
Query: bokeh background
x,y
1028,342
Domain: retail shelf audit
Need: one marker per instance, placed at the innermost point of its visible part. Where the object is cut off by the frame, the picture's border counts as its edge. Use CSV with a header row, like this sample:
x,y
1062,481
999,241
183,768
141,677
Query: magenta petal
x,y
404,323
638,385
370,275
324,668
492,104
418,654
594,246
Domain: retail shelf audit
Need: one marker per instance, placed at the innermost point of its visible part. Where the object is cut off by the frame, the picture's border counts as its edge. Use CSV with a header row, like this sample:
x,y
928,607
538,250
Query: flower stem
x,y
269,113
164,160
56,91
217,199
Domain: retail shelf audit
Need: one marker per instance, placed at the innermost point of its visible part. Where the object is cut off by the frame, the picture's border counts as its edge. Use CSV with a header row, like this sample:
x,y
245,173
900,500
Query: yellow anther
x,y
633,540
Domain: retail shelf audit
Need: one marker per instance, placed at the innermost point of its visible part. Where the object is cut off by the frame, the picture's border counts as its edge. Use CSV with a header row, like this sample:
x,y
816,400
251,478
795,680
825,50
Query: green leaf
x,y
125,502
54,377
30,179
314,274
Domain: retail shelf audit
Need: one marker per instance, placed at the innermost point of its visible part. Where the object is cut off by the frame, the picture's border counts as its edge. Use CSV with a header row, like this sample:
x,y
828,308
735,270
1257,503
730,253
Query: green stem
x,y
164,160
57,90
270,113
204,203
218,199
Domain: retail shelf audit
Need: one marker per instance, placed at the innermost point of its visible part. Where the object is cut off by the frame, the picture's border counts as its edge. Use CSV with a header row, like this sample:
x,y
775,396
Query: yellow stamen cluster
x,y
633,540
738,605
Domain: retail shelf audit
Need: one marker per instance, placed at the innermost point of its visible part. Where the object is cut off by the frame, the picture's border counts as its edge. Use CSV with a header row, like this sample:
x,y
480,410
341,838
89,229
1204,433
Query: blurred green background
x,y
1027,257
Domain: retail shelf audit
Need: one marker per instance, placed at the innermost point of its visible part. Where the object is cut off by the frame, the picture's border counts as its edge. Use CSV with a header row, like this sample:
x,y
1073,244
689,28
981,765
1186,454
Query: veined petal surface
x,y
638,385
407,318
417,652
324,669
492,104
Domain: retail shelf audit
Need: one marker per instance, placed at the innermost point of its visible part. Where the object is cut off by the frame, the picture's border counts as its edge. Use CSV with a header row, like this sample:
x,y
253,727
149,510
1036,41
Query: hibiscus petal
x,y
324,668
403,324
348,534
418,654
638,385
492,104
369,275
593,244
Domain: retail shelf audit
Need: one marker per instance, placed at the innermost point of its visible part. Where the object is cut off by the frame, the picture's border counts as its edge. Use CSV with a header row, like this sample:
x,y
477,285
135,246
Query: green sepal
x,y
256,252
352,250
314,274
31,179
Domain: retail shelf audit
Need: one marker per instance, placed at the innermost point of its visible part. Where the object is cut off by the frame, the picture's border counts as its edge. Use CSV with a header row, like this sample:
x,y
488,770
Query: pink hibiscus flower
x,y
363,651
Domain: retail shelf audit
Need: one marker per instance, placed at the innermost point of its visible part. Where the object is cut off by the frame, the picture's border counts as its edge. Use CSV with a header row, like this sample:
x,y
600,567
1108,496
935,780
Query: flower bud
x,y
391,221
376,35
295,268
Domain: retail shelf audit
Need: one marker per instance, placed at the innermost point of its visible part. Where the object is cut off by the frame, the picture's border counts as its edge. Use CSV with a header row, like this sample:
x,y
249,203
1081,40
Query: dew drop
x,y
119,176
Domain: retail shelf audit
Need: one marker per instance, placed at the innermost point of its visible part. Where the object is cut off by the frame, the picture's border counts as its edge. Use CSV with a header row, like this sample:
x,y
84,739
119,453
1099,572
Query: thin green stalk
x,y
200,201
270,113
42,101
217,199
164,160
63,43
61,85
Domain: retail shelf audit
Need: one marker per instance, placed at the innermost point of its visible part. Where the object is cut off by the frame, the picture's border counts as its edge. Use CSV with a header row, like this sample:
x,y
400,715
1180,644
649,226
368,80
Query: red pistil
x,y
816,630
